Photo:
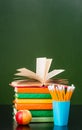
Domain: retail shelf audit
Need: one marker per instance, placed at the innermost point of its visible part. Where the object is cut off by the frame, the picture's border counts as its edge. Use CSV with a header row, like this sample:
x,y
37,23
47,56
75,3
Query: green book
x,y
31,95
38,113
41,113
42,119
38,118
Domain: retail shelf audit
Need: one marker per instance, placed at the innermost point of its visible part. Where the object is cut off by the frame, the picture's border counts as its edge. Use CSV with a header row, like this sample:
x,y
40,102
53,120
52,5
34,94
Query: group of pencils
x,y
61,92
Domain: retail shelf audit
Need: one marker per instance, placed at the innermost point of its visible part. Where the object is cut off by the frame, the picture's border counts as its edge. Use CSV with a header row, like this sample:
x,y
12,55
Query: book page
x,y
41,67
27,73
54,73
48,64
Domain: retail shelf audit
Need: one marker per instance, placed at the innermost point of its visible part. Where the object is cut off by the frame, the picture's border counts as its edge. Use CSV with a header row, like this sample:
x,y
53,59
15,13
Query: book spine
x,y
34,106
27,101
32,90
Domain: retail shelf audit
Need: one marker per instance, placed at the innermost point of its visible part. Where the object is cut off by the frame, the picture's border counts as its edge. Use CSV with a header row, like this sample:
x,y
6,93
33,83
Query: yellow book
x,y
32,101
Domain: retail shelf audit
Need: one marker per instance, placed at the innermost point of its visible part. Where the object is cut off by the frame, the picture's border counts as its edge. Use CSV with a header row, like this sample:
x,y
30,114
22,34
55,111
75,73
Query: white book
x,y
42,74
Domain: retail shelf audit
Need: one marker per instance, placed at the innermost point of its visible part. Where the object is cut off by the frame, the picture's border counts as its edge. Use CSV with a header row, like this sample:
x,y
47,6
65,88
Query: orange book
x,y
31,90
39,106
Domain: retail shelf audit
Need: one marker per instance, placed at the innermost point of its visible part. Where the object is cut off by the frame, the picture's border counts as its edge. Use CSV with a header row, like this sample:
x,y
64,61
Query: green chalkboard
x,y
40,28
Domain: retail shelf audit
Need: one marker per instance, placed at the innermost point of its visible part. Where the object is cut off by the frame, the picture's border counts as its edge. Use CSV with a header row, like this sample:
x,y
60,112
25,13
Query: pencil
x,y
61,92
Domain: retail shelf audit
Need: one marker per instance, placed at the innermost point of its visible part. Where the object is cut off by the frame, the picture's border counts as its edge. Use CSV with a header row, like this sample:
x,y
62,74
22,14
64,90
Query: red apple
x,y
23,117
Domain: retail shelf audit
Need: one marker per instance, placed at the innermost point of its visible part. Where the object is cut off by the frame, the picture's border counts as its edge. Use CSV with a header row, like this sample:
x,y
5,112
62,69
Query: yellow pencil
x,y
67,93
57,93
60,93
53,92
63,92
67,96
71,91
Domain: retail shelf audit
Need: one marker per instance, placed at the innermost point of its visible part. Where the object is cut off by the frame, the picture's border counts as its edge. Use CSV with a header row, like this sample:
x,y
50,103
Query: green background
x,y
40,28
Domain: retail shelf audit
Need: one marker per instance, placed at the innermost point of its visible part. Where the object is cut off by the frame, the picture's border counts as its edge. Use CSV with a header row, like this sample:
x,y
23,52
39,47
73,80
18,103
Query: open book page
x,y
42,75
29,83
42,67
48,64
23,83
28,73
53,73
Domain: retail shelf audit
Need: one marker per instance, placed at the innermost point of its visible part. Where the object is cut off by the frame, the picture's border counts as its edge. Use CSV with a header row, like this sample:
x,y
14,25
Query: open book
x,y
42,76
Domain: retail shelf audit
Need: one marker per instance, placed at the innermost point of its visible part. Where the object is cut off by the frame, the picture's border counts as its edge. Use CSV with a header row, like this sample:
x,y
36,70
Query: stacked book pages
x,y
31,92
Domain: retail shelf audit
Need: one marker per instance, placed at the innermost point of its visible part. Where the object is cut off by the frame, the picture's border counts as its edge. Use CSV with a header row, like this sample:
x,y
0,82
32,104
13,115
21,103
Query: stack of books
x,y
37,100
31,93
